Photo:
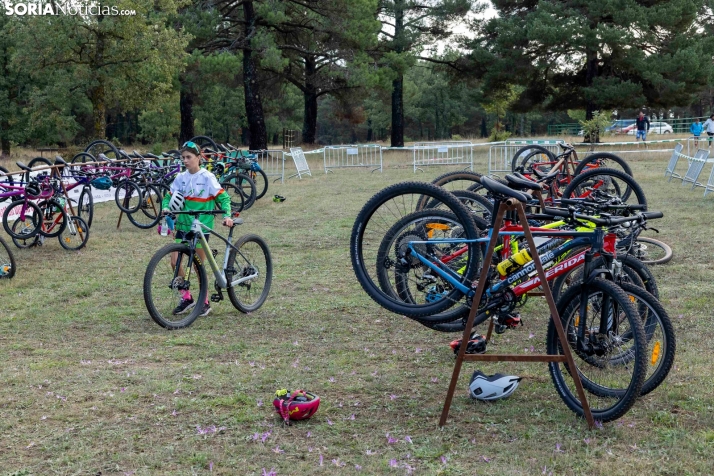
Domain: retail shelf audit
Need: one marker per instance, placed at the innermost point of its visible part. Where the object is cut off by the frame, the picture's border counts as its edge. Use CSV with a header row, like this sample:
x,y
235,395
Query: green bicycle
x,y
176,269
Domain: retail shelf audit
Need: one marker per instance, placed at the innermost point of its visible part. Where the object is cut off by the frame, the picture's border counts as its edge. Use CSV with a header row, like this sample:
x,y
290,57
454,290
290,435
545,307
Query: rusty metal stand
x,y
509,205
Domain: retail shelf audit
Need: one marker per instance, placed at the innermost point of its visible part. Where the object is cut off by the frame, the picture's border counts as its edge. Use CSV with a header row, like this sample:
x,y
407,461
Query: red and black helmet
x,y
297,405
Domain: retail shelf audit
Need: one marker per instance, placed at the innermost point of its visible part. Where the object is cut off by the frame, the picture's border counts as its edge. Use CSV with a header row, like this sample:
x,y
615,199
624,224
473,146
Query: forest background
x,y
347,71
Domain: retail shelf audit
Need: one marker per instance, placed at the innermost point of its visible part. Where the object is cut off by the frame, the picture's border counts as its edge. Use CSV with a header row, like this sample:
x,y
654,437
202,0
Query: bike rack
x,y
567,357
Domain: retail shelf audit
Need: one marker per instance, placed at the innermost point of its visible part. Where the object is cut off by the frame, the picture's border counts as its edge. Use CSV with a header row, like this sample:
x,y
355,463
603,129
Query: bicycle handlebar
x,y
602,205
602,221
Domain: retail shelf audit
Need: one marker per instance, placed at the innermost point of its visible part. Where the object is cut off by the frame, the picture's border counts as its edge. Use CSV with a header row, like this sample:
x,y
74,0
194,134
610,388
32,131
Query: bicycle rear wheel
x,y
54,218
7,261
237,198
149,212
659,332
608,183
75,234
377,219
261,183
18,226
613,369
170,277
452,181
530,154
603,159
252,261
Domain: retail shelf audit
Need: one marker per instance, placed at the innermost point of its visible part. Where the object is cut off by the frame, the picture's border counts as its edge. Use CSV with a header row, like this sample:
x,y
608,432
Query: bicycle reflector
x,y
278,198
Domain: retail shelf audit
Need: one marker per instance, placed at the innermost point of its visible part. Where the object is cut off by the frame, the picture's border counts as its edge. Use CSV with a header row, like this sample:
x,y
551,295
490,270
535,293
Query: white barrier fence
x,y
272,162
500,155
300,162
672,165
350,156
448,153
696,164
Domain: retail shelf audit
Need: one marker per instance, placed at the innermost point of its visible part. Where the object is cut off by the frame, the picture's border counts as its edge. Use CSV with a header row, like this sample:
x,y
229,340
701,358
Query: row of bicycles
x,y
41,207
417,248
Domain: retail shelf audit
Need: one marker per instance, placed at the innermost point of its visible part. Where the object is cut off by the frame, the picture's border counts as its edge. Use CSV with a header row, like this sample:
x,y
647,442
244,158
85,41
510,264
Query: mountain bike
x,y
246,273
434,261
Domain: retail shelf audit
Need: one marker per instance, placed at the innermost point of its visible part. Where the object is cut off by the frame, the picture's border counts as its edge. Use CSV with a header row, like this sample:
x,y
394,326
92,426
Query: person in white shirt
x,y
708,127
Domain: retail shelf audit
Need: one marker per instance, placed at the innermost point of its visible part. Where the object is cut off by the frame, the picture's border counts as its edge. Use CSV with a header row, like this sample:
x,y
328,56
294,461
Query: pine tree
x,y
578,54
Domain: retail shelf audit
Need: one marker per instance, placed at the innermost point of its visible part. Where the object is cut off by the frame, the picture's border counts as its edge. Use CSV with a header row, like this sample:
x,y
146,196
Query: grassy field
x,y
91,385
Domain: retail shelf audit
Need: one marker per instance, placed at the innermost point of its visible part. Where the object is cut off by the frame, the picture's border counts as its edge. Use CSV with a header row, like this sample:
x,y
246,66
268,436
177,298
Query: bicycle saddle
x,y
60,161
521,183
499,189
23,166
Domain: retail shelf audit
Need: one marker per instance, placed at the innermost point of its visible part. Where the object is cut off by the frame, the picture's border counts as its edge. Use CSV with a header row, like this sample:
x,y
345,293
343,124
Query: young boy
x,y
201,191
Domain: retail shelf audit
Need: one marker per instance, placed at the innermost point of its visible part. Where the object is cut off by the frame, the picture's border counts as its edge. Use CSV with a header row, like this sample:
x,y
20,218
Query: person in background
x,y
643,126
696,130
708,127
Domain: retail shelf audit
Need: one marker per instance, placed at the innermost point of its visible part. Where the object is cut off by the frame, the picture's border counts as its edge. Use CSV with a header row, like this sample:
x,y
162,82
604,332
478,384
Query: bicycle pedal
x,y
218,297
476,345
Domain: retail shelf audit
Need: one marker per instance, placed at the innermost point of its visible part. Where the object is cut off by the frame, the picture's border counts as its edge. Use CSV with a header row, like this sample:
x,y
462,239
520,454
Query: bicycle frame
x,y
579,239
219,273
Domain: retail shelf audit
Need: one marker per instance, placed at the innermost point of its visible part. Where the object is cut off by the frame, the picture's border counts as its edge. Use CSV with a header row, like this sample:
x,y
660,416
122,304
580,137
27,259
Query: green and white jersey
x,y
201,191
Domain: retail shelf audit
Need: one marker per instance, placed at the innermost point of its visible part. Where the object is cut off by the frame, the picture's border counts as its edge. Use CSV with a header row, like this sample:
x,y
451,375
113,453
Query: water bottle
x,y
170,222
163,227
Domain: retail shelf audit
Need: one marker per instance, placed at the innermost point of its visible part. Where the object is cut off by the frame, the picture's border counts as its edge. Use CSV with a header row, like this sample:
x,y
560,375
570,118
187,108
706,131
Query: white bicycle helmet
x,y
176,202
496,386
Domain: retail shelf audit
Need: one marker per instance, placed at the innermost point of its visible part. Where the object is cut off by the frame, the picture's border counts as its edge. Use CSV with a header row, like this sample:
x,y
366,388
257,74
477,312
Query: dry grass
x,y
92,385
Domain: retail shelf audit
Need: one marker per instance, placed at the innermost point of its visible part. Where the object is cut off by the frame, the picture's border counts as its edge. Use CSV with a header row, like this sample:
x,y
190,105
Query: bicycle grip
x,y
652,215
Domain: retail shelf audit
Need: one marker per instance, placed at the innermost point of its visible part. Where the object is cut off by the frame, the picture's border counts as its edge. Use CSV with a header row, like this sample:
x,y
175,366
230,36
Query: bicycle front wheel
x,y
607,343
7,261
85,205
651,251
174,287
375,223
128,196
251,268
30,217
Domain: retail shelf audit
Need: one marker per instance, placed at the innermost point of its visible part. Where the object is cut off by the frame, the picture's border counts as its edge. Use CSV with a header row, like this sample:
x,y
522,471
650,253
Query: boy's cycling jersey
x,y
201,191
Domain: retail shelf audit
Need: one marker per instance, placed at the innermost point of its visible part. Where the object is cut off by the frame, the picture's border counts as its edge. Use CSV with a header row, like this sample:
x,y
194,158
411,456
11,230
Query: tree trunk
x,y
4,140
398,83
590,75
187,130
99,111
258,136
98,95
369,130
309,124
398,112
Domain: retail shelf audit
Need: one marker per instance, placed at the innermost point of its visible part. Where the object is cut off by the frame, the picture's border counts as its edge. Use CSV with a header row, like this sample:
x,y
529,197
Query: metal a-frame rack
x,y
511,205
